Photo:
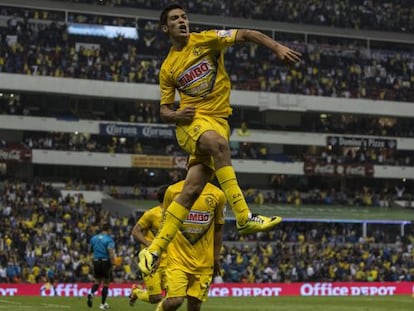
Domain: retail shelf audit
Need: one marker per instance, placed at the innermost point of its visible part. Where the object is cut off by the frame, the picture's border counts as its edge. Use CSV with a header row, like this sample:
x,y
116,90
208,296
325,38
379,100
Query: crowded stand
x,y
44,233
293,192
384,15
98,143
48,49
143,111
72,108
59,228
320,261
146,112
254,151
88,143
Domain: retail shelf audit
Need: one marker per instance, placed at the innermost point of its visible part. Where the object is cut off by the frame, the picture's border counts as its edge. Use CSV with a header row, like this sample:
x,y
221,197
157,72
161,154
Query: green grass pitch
x,y
360,303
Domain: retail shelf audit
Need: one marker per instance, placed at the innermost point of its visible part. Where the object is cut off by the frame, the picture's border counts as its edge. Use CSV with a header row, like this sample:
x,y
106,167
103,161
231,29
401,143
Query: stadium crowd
x,y
252,151
343,69
320,252
382,15
44,238
297,191
143,111
98,143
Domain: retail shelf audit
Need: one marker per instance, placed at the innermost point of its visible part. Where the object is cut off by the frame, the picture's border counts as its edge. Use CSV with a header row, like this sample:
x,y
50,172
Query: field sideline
x,y
360,303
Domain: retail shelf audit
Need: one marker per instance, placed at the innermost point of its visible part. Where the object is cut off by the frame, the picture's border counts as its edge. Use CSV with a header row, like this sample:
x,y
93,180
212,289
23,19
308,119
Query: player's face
x,y
177,24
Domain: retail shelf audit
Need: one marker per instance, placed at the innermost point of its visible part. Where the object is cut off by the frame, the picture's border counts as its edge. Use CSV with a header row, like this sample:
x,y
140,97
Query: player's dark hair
x,y
167,9
161,193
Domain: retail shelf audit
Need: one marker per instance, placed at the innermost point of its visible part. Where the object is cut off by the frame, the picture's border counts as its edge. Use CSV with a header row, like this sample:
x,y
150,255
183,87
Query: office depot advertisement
x,y
226,289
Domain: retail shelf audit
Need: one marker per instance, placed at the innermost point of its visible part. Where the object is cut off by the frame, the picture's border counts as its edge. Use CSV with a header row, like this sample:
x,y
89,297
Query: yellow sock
x,y
174,217
235,198
143,295
160,306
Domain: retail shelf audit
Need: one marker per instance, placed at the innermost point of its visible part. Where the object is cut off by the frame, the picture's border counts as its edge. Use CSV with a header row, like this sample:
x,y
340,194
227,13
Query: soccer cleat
x,y
147,262
134,294
257,223
104,306
89,301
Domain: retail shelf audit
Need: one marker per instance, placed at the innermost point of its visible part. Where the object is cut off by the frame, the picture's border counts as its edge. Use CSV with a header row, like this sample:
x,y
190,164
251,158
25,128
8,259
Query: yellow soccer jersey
x,y
192,249
151,221
198,73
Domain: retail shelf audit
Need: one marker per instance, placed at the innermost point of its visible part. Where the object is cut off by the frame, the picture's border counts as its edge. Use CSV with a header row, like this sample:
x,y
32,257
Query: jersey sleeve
x,y
221,38
144,221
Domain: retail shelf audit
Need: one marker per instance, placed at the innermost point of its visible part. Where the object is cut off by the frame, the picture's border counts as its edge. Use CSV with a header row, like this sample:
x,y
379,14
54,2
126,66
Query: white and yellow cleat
x,y
258,223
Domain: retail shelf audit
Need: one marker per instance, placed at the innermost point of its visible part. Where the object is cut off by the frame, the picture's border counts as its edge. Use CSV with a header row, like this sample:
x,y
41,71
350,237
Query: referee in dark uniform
x,y
103,248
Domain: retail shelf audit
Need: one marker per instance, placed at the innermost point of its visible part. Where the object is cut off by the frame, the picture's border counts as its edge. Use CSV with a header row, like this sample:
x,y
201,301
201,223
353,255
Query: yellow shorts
x,y
185,284
188,135
156,282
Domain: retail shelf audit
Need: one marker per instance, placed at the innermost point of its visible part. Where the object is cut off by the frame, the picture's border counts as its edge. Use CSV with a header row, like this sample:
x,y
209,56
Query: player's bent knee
x,y
213,143
155,298
175,302
193,303
219,144
222,145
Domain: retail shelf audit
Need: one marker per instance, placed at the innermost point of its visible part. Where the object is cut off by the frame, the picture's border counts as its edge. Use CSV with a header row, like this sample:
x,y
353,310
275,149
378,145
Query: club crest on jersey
x,y
197,51
194,74
196,217
210,202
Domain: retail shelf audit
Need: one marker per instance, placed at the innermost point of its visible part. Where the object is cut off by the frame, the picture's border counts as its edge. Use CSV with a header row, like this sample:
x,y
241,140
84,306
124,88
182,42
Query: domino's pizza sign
x,y
361,142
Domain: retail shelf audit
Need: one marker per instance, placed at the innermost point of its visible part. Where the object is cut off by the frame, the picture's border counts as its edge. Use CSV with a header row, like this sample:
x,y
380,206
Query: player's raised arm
x,y
282,52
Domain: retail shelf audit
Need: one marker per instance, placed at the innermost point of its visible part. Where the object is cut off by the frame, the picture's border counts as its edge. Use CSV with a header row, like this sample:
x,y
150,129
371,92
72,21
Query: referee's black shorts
x,y
102,268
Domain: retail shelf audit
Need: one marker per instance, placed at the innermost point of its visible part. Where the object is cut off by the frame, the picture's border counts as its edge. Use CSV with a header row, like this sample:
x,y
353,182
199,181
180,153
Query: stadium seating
x,y
382,15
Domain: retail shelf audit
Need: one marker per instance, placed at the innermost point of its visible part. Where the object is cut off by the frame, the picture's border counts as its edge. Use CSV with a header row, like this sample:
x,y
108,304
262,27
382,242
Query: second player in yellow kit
x,y
194,253
144,232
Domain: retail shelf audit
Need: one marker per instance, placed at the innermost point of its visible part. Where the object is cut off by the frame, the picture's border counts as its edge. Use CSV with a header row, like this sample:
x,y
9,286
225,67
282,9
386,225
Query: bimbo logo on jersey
x,y
194,73
198,217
